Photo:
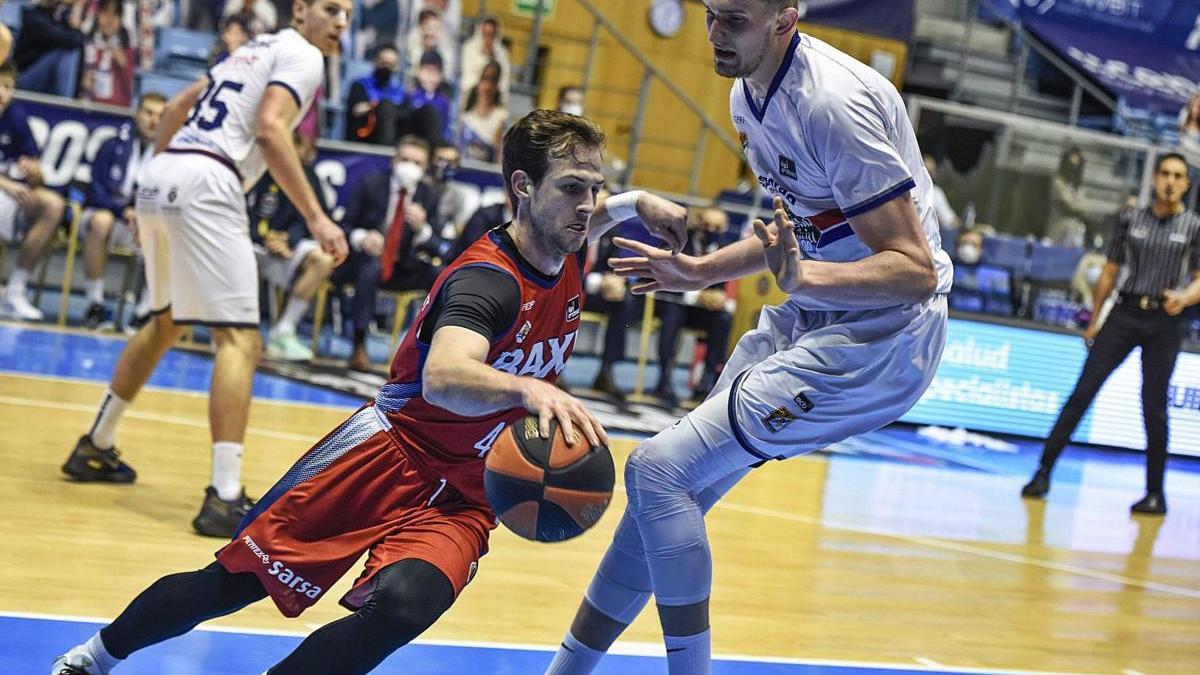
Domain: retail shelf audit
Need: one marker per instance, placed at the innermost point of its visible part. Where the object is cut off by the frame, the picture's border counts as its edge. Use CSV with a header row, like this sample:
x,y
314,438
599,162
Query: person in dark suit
x,y
485,218
109,217
393,240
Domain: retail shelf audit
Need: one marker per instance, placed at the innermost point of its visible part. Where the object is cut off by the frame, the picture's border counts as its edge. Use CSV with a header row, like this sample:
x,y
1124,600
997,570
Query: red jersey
x,y
537,344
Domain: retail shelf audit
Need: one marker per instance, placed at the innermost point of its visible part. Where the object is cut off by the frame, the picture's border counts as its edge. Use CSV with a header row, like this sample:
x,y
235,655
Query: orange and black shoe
x,y
88,463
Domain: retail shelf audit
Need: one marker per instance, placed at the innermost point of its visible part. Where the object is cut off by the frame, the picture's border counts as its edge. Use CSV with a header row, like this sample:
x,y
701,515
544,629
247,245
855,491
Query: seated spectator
x,y
427,35
485,118
486,218
287,257
451,13
1189,125
393,243
710,310
24,198
570,100
235,32
109,219
260,14
452,206
49,45
378,110
108,59
483,48
429,90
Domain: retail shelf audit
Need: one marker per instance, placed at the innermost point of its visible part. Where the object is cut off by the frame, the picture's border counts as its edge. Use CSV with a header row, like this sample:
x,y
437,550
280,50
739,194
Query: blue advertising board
x,y
1145,51
1015,380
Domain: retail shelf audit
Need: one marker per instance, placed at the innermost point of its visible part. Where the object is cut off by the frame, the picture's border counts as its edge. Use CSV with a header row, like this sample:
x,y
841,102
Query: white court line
x,y
21,374
194,422
620,648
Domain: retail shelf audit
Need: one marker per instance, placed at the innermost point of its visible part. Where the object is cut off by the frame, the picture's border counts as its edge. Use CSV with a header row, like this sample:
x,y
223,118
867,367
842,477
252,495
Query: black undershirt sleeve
x,y
480,299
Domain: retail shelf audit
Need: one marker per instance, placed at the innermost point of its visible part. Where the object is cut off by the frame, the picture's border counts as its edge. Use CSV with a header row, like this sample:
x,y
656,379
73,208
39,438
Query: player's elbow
x,y
924,278
269,132
435,385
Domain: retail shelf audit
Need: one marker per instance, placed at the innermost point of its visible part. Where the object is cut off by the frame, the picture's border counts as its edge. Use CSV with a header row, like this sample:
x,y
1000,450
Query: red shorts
x,y
357,489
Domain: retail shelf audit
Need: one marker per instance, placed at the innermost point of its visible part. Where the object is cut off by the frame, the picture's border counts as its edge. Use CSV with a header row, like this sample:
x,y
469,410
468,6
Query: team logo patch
x,y
531,428
528,306
787,167
807,234
804,402
172,194
573,308
524,332
779,419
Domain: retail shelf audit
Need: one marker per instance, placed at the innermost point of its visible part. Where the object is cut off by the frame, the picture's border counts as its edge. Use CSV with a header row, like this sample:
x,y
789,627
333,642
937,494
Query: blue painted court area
x,y
28,645
37,351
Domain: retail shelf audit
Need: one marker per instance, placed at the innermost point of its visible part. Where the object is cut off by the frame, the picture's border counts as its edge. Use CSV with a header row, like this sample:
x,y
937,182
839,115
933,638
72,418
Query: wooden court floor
x,y
816,558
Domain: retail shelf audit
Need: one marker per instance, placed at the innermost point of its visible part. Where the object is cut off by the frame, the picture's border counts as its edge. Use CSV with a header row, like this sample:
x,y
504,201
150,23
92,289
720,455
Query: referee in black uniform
x,y
1159,248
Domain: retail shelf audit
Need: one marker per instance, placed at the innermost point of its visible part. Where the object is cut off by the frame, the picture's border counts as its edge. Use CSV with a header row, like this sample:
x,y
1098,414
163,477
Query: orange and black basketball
x,y
544,489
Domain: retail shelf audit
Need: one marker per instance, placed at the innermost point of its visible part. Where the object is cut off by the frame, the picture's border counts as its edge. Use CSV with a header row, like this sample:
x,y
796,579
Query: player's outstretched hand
x,y
657,269
780,248
330,237
549,402
664,219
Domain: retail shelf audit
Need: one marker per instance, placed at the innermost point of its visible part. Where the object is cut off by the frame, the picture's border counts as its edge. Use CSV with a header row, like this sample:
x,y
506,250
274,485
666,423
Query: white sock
x,y
227,470
574,658
105,426
689,655
95,290
103,659
17,280
296,308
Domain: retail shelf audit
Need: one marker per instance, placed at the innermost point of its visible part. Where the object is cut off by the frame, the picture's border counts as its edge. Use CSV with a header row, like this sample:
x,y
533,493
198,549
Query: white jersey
x,y
833,139
223,121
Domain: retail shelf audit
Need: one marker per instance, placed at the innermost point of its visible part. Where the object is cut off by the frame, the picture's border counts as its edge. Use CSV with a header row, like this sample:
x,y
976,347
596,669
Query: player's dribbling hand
x,y
781,249
549,402
658,269
330,237
664,219
1089,334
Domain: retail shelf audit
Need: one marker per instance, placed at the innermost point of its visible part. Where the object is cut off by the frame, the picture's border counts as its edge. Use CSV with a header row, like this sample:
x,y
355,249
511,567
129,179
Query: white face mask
x,y
1093,274
968,254
572,109
408,174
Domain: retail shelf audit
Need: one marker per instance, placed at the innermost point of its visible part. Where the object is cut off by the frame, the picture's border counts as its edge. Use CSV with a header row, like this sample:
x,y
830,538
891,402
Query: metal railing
x,y
649,73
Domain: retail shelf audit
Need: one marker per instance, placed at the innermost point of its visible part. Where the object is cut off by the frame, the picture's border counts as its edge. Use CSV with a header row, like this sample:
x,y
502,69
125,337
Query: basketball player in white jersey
x,y
854,242
215,140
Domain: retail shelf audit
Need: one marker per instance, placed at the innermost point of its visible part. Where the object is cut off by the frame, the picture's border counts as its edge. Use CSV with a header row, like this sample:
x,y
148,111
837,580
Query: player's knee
x,y
320,262
245,341
101,224
646,476
50,202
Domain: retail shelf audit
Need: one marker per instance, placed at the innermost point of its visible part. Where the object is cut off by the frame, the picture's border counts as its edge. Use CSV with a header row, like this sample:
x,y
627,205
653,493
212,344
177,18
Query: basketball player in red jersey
x,y
403,477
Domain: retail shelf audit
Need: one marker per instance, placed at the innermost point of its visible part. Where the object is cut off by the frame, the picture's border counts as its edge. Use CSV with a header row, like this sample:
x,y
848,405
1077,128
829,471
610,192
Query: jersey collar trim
x,y
779,75
503,240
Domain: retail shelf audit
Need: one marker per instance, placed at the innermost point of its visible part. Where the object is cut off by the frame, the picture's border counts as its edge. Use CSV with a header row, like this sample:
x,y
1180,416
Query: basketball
x,y
544,489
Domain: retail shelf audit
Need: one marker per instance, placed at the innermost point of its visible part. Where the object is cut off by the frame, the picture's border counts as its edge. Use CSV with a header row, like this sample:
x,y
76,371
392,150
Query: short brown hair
x,y
415,141
540,136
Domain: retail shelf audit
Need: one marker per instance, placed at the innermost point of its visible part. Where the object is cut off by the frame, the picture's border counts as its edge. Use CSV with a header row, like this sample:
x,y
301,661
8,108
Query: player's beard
x,y
742,66
555,237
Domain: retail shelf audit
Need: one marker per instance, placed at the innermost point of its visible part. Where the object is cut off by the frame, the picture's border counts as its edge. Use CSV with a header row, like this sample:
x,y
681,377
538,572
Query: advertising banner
x,y
892,19
1014,380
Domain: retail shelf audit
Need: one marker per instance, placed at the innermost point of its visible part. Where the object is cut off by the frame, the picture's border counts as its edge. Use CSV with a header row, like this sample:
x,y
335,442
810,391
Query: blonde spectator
x,y
484,120
481,49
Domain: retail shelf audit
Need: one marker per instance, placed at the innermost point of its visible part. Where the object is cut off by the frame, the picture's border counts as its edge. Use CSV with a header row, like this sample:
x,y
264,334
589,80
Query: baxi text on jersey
x,y
537,359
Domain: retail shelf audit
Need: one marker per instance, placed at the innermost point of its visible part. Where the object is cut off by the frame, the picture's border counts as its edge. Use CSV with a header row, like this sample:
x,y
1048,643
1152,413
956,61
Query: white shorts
x,y
12,219
120,237
280,272
196,241
806,379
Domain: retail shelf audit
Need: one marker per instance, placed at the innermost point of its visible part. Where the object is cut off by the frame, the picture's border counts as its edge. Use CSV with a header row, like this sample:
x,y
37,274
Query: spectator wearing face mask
x,y
970,248
393,242
453,206
378,109
570,100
